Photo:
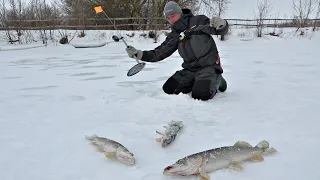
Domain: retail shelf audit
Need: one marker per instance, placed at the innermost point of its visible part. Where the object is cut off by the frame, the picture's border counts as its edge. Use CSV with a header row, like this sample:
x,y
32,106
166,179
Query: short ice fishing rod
x,y
140,65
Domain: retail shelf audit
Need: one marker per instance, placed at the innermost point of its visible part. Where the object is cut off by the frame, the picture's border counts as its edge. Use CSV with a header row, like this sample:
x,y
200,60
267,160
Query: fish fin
x,y
98,148
263,144
243,144
203,174
91,137
160,133
110,155
160,138
236,165
268,151
257,157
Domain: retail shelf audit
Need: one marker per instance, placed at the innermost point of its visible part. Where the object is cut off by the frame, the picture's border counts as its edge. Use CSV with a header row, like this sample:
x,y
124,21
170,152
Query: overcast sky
x,y
245,8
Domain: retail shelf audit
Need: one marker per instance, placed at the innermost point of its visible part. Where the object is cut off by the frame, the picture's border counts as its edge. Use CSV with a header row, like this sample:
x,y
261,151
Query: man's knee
x,y
170,85
203,90
223,85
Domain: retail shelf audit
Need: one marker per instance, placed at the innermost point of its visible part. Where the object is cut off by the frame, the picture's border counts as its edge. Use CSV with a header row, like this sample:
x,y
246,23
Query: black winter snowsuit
x,y
202,69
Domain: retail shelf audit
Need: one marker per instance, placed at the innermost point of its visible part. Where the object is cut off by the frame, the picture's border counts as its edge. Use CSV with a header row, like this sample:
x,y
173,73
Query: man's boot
x,y
223,85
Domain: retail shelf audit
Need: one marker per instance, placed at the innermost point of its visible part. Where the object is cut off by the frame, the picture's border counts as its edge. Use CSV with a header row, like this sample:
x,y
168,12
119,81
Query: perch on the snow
x,y
170,133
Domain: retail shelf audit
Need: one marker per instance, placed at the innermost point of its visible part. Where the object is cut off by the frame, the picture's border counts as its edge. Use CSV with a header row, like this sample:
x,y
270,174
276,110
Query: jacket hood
x,y
183,23
187,12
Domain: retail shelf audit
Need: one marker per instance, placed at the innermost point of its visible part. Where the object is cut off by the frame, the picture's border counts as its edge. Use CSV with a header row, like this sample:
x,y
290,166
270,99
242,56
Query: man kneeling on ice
x,y
191,35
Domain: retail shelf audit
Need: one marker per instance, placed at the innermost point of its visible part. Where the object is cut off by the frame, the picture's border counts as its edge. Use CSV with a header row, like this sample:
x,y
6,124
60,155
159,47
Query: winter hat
x,y
170,8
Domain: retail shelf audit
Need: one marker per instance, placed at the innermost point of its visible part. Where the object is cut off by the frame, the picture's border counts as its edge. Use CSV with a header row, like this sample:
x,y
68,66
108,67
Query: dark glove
x,y
221,25
218,23
133,52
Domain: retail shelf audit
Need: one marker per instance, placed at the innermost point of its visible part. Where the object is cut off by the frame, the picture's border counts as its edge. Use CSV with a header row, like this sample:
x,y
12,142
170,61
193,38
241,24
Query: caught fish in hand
x,y
112,149
170,134
208,161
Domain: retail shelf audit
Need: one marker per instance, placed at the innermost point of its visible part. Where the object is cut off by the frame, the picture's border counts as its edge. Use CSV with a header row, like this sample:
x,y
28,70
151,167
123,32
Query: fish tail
x,y
175,123
263,145
242,144
91,137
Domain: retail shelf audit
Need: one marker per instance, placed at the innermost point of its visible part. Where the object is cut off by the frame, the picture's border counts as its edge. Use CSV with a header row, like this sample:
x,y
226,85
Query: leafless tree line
x,y
14,13
46,16
303,10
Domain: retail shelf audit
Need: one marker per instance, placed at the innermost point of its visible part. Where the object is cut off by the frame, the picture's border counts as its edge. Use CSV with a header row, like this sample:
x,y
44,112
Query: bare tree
x,y
206,7
264,9
275,22
81,10
213,7
2,13
39,9
317,16
55,16
221,6
4,20
302,11
15,16
155,15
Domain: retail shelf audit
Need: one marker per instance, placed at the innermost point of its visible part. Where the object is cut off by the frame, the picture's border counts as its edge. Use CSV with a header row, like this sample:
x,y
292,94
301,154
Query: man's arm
x,y
164,50
214,26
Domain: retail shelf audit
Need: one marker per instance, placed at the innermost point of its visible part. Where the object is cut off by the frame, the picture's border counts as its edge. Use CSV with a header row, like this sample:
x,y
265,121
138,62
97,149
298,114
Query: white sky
x,y
245,9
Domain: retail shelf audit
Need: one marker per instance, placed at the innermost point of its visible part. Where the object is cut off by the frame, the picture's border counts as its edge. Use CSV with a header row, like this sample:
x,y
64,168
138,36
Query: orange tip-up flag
x,y
98,9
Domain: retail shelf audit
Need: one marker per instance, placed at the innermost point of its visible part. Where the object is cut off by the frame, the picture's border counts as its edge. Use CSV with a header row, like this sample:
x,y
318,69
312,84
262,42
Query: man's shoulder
x,y
200,15
199,18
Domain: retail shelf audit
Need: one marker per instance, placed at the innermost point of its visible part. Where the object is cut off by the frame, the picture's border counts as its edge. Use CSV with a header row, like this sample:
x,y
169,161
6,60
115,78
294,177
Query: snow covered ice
x,y
52,97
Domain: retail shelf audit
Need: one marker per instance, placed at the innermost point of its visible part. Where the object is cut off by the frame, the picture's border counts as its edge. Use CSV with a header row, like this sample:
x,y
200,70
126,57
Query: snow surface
x,y
51,97
20,47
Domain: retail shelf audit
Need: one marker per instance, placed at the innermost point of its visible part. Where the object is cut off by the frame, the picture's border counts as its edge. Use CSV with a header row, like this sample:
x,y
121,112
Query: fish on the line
x,y
170,134
202,163
112,149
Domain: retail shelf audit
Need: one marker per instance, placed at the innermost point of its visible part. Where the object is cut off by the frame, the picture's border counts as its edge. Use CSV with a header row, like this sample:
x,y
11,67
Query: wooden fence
x,y
135,23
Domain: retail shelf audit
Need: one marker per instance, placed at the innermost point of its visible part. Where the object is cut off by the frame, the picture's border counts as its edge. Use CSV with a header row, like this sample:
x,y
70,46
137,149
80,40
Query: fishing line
x,y
140,65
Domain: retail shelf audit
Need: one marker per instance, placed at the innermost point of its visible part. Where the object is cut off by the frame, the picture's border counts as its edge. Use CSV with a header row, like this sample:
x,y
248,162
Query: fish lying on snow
x,y
112,149
170,134
211,160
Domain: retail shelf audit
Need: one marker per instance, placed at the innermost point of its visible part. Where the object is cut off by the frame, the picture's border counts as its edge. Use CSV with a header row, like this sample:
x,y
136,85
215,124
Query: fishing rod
x,y
140,65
